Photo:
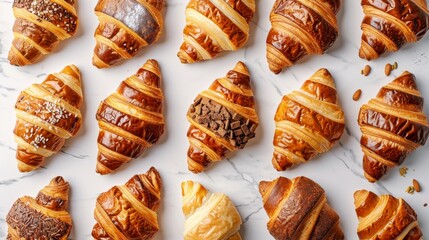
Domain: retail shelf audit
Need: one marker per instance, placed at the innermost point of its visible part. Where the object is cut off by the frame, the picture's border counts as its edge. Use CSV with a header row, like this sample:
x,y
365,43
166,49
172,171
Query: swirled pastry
x,y
393,124
222,118
126,26
47,114
39,26
389,25
215,26
309,121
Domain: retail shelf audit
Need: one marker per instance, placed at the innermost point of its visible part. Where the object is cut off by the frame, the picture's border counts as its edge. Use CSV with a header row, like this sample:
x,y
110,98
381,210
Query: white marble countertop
x,y
339,171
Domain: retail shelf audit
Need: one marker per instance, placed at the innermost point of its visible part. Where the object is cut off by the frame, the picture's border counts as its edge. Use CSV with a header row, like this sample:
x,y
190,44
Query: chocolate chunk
x,y
217,116
245,139
238,132
236,116
235,125
197,100
198,110
246,130
233,143
225,113
231,134
192,110
222,132
206,101
253,128
227,124
217,108
214,125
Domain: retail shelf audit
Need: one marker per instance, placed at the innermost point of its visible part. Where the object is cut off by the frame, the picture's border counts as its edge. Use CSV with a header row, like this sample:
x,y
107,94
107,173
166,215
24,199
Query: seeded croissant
x,y
45,217
131,119
126,26
208,215
389,25
47,114
213,27
39,26
309,121
129,211
222,118
393,125
385,217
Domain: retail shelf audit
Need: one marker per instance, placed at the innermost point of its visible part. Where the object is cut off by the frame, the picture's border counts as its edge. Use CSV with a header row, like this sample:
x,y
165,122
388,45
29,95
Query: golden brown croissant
x,y
300,27
129,211
131,119
309,121
298,209
39,26
385,217
393,125
389,25
222,118
126,26
213,27
210,216
47,114
45,217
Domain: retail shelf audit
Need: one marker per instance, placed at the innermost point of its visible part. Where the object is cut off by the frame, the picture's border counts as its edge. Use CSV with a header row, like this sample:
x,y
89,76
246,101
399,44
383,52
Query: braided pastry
x,y
214,26
210,216
393,125
385,217
45,217
39,26
222,118
47,114
129,211
298,209
126,26
131,119
300,27
308,122
389,25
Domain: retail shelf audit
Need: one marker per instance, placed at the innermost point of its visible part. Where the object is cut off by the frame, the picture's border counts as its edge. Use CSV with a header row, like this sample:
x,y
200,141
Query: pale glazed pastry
x,y
44,217
309,121
39,27
126,26
47,114
298,209
223,119
393,125
129,211
213,27
131,119
299,28
389,25
209,216
385,217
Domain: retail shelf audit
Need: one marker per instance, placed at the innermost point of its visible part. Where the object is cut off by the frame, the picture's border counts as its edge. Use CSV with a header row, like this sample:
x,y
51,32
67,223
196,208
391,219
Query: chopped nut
x,y
410,190
416,185
403,171
395,65
367,70
388,69
357,95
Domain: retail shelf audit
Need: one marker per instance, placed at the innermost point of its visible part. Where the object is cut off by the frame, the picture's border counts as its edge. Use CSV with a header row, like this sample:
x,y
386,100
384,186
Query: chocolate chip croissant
x,y
300,28
131,119
126,26
45,217
222,118
129,211
393,125
298,209
389,25
309,121
208,215
39,26
385,217
47,114
213,27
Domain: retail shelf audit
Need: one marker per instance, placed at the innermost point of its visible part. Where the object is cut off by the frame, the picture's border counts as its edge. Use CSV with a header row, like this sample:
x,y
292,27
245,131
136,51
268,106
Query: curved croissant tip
x,y
185,185
73,71
241,68
406,73
324,72
263,187
359,193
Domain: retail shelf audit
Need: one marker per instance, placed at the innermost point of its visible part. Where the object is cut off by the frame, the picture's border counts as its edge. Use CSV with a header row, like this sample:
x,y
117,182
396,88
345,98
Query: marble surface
x,y
339,171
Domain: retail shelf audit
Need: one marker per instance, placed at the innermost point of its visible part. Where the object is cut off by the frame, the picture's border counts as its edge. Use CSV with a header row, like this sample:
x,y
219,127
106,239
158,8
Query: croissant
x,y
129,211
393,125
222,118
389,25
213,27
385,217
39,26
45,217
300,28
298,209
47,114
210,216
126,26
309,121
131,119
